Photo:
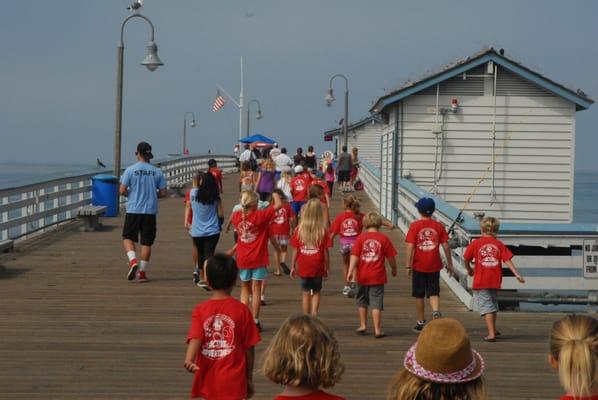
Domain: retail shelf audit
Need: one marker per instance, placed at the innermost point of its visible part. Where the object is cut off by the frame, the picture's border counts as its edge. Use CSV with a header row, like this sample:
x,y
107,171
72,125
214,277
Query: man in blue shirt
x,y
142,183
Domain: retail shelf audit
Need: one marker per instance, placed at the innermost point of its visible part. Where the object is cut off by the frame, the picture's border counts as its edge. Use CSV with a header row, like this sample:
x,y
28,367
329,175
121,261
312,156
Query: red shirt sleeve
x,y
266,215
505,253
196,329
252,335
443,235
187,196
469,252
411,235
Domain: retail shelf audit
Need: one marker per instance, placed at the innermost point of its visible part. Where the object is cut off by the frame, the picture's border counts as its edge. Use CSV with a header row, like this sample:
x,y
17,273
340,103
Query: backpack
x,y
358,185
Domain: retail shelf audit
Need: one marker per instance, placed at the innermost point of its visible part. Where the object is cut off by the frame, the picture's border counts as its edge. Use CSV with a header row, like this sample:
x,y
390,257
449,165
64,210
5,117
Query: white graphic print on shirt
x,y
219,337
349,227
247,232
488,255
370,252
427,239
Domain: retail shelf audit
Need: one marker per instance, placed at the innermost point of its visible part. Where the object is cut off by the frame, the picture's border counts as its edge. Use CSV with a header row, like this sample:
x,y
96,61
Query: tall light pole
x,y
151,62
193,125
258,114
330,98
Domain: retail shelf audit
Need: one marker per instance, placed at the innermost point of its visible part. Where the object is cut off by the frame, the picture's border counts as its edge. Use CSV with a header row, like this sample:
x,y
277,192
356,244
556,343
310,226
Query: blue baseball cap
x,y
426,206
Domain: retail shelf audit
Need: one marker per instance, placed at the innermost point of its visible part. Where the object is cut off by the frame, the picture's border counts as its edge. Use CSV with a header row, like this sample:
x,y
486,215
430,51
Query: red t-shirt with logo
x,y
188,201
372,248
217,173
317,395
311,260
226,330
299,188
488,253
281,225
253,235
427,235
347,224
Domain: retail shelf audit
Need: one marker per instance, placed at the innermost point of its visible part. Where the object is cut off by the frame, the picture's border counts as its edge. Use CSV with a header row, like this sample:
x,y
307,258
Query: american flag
x,y
218,102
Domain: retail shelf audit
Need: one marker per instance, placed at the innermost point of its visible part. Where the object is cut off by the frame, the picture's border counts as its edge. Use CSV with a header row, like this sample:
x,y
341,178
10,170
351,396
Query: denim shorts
x,y
296,206
257,274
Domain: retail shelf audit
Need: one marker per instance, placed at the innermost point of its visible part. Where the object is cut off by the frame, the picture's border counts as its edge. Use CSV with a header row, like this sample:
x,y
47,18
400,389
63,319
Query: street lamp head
x,y
329,97
259,114
193,124
151,60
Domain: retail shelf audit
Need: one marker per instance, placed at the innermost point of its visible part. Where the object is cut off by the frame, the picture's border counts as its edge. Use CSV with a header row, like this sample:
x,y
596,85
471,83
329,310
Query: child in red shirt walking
x,y
217,172
424,238
253,227
222,337
299,189
348,226
311,260
280,230
371,249
488,253
304,357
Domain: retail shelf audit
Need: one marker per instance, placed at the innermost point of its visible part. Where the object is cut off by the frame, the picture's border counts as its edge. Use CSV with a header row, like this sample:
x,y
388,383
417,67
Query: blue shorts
x,y
257,274
296,205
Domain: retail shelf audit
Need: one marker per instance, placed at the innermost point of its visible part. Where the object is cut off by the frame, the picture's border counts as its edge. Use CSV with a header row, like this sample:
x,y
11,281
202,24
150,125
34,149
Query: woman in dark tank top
x,y
310,158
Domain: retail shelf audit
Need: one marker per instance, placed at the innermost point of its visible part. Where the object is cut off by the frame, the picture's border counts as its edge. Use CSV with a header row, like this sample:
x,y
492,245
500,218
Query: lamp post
x,y
193,125
151,62
258,114
330,99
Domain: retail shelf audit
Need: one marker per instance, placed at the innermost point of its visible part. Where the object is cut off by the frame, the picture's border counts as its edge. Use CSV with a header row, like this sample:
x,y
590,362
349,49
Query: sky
x,y
58,66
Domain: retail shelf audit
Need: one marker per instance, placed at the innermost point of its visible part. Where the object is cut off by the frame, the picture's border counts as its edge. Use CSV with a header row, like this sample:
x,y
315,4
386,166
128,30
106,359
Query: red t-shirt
x,y
253,234
566,397
372,248
347,224
311,260
317,395
217,173
281,225
226,330
488,253
188,201
299,188
323,184
427,235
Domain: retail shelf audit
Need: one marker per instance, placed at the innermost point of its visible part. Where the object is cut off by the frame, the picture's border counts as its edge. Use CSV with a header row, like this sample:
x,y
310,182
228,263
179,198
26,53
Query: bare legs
x,y
310,303
420,307
146,251
490,319
376,317
346,259
254,289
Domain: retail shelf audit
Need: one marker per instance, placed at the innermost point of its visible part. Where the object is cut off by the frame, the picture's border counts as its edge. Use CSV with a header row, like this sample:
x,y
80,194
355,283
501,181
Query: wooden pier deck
x,y
72,326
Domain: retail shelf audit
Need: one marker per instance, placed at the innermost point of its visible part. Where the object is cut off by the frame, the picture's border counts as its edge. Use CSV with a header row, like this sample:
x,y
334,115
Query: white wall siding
x,y
367,139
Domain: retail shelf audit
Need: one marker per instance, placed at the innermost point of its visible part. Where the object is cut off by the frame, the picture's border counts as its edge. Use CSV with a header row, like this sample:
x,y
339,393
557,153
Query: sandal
x,y
489,339
276,274
361,332
380,335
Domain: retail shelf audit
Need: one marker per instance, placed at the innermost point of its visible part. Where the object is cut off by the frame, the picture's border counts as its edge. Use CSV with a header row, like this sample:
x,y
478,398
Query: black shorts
x,y
313,283
206,247
140,226
344,176
425,284
370,296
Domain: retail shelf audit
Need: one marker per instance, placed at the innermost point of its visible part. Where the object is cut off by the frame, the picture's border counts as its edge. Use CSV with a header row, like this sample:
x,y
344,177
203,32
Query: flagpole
x,y
241,102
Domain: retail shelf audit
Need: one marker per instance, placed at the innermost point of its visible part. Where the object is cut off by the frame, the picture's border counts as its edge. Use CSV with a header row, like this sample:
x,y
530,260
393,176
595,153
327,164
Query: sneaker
x,y
436,315
133,266
352,290
204,285
285,268
419,326
259,325
196,278
346,291
263,300
142,277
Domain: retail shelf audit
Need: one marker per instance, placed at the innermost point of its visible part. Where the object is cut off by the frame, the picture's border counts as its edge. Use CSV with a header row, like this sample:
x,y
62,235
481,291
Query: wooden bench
x,y
6,246
90,215
178,187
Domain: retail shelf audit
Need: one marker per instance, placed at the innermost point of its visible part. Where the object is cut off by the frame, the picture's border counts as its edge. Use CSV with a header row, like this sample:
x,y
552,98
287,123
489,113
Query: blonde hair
x,y
248,201
268,164
286,176
304,352
372,220
406,386
312,227
490,226
574,344
350,202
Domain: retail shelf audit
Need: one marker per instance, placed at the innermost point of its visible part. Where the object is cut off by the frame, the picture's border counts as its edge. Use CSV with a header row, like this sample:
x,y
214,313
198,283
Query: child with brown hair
x,y
441,366
247,178
370,251
317,192
280,231
311,260
304,357
488,253
574,354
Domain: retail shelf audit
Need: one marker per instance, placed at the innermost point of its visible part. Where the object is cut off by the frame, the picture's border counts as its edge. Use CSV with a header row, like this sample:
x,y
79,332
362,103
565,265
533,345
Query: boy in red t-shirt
x,y
217,172
488,253
424,238
222,337
369,253
299,189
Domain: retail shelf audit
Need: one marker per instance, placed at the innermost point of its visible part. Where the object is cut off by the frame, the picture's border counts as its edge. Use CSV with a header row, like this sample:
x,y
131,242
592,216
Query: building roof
x,y
581,100
354,125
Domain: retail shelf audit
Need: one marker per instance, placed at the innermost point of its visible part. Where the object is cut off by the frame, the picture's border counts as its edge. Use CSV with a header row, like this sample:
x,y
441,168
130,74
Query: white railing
x,y
370,176
34,207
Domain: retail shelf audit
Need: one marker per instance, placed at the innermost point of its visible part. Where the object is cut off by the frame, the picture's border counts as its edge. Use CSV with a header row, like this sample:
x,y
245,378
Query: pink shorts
x,y
347,244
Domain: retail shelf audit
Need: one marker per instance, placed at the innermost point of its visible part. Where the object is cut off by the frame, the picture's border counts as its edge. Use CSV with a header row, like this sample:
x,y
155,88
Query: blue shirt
x,y
143,181
205,217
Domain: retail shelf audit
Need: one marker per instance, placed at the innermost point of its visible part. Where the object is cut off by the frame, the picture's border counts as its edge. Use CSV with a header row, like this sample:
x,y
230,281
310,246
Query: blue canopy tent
x,y
258,140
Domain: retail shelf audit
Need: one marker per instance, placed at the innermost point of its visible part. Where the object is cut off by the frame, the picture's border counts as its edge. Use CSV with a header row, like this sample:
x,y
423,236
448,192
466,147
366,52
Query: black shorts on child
x,y
425,284
313,283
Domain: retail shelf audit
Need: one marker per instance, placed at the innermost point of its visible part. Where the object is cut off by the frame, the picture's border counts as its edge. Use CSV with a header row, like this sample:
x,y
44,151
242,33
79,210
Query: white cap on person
x,y
298,169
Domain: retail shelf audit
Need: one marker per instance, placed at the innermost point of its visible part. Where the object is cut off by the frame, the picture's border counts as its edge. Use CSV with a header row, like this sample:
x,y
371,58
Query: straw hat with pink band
x,y
443,354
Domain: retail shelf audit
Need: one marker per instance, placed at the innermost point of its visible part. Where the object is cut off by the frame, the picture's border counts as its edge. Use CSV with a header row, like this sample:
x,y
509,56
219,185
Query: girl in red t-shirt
x,y
304,357
280,230
311,260
317,192
348,226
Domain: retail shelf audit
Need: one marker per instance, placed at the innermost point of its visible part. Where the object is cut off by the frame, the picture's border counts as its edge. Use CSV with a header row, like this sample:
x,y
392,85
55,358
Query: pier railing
x,y
558,261
31,208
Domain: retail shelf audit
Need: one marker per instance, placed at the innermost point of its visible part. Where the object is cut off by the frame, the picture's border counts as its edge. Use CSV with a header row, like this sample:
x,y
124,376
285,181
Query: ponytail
x,y
574,344
248,200
351,203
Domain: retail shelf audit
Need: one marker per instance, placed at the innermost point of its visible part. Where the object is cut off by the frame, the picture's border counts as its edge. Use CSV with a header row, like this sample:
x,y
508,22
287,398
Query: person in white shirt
x,y
275,152
283,162
246,154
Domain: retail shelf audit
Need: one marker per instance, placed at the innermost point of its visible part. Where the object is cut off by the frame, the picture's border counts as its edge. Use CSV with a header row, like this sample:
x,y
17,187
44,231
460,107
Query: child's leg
x,y
376,294
194,255
377,317
315,303
256,288
283,253
346,259
306,302
245,292
491,324
420,308
363,318
277,261
435,303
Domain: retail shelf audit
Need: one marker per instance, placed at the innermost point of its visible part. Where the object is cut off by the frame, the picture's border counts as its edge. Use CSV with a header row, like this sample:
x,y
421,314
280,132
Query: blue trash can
x,y
104,192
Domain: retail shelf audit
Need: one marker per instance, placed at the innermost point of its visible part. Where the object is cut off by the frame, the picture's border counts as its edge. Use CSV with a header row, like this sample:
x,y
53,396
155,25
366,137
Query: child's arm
x,y
352,268
250,354
277,201
293,264
293,222
232,250
327,262
220,212
229,223
187,212
514,271
410,251
388,224
392,261
191,354
449,258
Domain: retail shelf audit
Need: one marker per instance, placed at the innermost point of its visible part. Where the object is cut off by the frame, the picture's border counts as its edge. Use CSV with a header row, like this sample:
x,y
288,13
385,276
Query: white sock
x,y
131,255
143,265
